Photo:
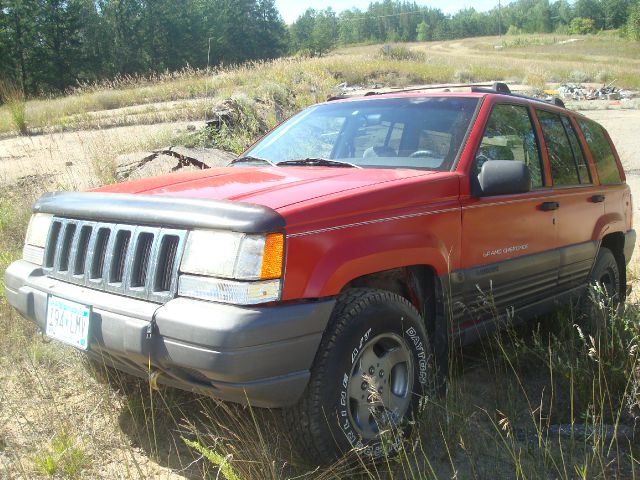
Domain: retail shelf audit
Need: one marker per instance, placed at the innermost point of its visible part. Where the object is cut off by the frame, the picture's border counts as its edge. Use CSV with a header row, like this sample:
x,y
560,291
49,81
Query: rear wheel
x,y
605,294
373,367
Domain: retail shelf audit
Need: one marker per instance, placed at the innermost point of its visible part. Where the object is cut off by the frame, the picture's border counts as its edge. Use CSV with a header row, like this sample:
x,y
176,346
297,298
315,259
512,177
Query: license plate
x,y
68,322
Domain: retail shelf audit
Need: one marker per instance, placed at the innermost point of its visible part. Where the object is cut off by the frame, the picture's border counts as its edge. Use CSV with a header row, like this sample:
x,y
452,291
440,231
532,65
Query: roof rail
x,y
485,87
391,90
496,87
503,88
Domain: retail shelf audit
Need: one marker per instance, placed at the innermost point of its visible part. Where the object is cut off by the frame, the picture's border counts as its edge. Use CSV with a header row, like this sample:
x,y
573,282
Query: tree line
x,y
317,31
50,45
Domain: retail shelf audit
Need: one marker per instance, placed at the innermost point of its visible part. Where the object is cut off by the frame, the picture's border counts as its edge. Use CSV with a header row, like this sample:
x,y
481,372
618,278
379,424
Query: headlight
x,y
231,267
36,239
234,255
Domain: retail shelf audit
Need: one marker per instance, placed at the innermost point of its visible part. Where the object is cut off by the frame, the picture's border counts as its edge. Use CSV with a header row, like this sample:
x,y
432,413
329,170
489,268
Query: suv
x,y
327,270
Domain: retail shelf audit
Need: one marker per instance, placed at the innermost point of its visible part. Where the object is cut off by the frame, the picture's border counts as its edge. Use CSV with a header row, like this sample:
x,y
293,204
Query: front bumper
x,y
257,355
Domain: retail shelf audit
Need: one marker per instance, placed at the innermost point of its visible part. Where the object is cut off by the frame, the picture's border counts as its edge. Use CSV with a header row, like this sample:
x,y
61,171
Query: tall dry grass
x,y
190,93
12,95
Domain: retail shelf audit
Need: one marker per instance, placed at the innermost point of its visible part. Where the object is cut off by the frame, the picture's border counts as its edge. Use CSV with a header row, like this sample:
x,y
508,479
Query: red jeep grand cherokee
x,y
327,269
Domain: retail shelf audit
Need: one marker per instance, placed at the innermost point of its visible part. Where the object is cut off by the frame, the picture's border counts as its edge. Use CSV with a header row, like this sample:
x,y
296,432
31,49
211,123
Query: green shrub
x,y
581,25
402,53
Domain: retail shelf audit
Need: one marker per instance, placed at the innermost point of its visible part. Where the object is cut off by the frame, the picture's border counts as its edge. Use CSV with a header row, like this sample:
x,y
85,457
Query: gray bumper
x,y
262,355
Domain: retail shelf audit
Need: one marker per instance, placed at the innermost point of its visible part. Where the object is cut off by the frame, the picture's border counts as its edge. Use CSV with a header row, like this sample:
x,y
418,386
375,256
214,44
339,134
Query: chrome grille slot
x,y
80,261
65,251
52,244
119,256
99,253
130,260
141,260
168,251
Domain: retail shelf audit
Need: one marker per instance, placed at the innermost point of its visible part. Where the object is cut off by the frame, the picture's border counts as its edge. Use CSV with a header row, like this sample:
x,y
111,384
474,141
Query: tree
x,y
633,24
271,32
422,31
325,31
302,29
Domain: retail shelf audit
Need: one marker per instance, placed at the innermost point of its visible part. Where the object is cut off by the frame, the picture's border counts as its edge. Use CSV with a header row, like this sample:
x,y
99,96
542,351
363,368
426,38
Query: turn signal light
x,y
272,258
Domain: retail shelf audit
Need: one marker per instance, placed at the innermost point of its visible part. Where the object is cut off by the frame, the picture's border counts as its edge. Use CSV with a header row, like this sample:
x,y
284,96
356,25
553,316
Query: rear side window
x,y
509,135
568,165
601,152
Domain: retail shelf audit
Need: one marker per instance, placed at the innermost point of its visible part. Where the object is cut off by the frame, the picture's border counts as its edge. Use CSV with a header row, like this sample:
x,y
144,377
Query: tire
x,y
603,279
372,369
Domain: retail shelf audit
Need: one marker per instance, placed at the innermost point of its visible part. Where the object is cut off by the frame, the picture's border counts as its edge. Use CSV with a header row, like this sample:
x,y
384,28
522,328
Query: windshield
x,y
424,133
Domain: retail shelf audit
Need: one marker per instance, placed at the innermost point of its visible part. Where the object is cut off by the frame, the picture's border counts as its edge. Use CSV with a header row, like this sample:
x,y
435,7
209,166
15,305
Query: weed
x,y
64,455
223,463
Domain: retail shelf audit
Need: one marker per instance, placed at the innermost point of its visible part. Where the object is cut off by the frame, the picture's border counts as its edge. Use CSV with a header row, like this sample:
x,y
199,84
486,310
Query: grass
x,y
293,83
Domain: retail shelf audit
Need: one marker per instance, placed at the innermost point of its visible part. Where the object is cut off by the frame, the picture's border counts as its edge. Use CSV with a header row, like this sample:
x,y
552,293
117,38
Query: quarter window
x,y
601,152
568,166
509,135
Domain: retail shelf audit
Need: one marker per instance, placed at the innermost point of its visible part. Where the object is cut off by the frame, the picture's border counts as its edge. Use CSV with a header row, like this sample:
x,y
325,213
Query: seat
x,y
379,151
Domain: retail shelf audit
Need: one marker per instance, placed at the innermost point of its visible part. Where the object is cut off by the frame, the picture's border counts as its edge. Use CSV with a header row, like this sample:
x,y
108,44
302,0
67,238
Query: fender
x,y
608,223
321,264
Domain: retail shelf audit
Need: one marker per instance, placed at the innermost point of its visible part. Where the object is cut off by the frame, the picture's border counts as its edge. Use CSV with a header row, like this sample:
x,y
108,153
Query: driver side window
x,y
509,135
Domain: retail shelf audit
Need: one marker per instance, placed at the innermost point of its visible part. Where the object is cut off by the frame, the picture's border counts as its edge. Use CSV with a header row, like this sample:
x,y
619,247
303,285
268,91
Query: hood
x,y
274,187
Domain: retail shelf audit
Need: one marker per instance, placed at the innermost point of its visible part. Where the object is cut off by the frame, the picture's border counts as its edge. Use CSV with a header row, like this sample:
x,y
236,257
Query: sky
x,y
292,9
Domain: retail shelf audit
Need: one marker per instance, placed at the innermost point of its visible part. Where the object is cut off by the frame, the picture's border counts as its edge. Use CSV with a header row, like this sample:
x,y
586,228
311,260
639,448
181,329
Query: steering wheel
x,y
421,153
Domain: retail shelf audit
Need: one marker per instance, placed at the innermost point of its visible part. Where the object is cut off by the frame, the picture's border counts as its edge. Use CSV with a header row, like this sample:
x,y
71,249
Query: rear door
x,y
580,202
617,197
508,241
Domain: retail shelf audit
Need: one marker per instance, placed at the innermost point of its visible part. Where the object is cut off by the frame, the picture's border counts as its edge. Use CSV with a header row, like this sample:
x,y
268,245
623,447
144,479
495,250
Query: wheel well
x,y
422,287
417,283
615,243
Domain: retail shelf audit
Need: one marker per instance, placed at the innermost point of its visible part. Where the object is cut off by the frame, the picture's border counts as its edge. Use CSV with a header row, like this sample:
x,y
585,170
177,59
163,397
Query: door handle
x,y
597,198
548,206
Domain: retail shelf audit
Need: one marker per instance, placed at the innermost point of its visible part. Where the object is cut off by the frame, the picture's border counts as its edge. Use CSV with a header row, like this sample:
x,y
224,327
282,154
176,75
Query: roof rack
x,y
486,87
503,88
391,90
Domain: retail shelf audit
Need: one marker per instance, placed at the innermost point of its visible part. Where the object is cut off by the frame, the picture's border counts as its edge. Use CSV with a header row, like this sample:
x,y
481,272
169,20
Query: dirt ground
x,y
69,158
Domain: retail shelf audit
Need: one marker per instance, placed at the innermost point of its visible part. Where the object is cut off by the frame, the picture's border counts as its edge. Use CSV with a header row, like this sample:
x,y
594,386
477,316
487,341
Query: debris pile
x,y
575,91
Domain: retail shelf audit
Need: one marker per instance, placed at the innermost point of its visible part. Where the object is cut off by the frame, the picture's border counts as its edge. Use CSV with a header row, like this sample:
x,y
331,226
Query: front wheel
x,y
373,367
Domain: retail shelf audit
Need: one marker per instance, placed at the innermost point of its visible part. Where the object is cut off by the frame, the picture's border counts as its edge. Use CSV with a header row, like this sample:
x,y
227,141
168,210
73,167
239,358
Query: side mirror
x,y
502,177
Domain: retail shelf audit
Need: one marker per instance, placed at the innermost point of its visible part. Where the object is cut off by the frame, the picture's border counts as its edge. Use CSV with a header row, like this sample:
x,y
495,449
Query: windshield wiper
x,y
250,159
319,162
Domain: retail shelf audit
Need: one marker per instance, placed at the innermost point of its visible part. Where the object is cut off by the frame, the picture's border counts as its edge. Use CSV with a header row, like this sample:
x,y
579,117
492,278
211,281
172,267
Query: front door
x,y
508,254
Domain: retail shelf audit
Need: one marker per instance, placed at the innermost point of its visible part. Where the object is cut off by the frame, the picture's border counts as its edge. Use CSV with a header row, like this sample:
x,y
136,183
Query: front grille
x,y
130,260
